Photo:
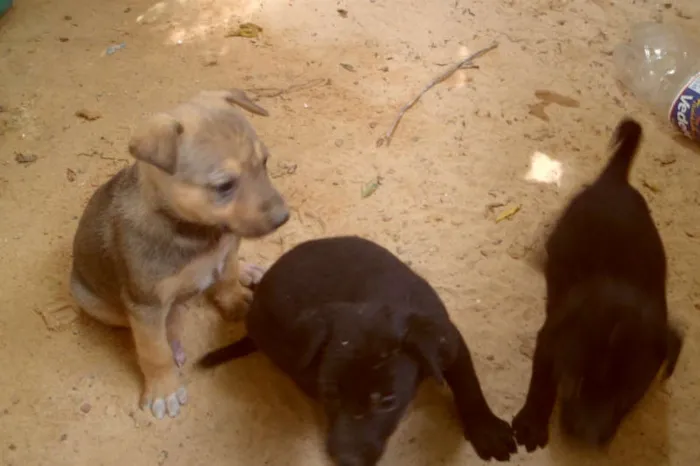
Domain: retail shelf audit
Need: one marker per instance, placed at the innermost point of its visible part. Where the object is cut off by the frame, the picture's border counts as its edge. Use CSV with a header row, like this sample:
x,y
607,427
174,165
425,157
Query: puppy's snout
x,y
593,429
349,459
276,210
592,434
350,444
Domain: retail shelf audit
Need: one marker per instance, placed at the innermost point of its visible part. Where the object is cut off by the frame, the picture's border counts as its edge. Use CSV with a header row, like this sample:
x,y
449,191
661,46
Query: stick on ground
x,y
466,63
270,92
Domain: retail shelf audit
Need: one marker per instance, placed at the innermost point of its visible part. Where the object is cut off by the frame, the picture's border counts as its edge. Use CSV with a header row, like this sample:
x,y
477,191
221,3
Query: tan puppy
x,y
168,227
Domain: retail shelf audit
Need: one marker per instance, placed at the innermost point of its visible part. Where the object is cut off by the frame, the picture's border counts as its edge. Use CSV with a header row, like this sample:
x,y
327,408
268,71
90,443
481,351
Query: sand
x,y
517,136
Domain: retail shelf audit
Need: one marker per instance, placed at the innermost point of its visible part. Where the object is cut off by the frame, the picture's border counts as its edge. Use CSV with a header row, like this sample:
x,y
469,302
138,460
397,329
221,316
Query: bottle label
x,y
685,111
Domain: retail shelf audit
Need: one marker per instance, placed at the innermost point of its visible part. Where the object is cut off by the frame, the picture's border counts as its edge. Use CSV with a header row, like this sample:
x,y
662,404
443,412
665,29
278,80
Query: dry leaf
x,y
650,186
371,187
508,213
247,30
88,115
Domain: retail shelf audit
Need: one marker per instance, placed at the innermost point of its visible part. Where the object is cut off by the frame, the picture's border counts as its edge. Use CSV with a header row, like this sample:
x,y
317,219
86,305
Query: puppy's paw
x,y
250,274
232,302
492,438
164,395
531,429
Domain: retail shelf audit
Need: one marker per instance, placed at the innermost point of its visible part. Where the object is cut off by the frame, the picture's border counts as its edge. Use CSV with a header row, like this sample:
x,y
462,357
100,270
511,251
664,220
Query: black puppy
x,y
354,327
606,334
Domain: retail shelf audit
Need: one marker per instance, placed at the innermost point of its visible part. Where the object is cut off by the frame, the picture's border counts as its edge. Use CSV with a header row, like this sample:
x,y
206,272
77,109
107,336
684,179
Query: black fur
x,y
356,328
606,333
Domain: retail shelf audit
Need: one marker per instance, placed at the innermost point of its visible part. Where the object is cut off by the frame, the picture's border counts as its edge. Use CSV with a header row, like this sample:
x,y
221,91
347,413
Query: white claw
x,y
181,395
158,408
173,405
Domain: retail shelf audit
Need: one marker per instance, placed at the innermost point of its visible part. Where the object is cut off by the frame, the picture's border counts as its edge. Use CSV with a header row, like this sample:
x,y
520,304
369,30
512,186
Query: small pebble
x,y
25,159
339,142
85,408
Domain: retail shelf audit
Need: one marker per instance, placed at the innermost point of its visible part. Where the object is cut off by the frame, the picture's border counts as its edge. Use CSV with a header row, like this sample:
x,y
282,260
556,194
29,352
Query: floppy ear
x,y
674,343
310,332
429,341
155,142
238,97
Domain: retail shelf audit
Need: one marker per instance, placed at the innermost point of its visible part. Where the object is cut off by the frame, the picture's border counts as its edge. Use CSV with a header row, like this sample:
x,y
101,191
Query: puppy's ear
x,y
428,340
311,333
238,97
674,343
155,142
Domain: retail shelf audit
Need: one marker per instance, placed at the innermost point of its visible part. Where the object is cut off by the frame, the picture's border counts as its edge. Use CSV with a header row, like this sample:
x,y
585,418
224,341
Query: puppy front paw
x,y
250,275
163,395
232,302
531,429
492,438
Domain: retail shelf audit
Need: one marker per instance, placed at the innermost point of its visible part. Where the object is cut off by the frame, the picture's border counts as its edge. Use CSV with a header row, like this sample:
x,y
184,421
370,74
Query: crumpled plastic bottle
x,y
661,65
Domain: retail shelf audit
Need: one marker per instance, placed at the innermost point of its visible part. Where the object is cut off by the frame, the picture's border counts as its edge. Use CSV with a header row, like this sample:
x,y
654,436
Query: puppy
x,y
606,333
355,327
169,226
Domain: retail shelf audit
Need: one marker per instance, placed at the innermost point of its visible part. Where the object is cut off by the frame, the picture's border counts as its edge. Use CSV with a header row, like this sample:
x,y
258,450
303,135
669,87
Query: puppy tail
x,y
624,143
239,349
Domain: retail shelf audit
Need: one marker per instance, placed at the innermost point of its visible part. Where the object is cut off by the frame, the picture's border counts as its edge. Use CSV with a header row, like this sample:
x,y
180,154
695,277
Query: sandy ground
x,y
460,158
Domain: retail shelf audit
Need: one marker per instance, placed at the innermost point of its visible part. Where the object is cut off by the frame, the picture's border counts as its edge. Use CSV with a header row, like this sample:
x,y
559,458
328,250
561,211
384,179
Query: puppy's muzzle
x,y
595,427
349,459
276,211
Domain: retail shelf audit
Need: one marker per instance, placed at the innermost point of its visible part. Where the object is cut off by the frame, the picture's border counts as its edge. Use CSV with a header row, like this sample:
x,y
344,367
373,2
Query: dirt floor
x,y
76,76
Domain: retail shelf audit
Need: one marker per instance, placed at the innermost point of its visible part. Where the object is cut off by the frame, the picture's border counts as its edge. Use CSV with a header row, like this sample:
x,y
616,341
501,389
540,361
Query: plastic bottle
x,y
661,65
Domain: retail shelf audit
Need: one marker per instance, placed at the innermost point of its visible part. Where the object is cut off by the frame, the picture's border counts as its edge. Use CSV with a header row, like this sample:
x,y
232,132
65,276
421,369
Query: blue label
x,y
685,111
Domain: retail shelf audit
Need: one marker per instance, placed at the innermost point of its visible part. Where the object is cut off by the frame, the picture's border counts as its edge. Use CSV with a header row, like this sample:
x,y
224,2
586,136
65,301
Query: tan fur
x,y
169,227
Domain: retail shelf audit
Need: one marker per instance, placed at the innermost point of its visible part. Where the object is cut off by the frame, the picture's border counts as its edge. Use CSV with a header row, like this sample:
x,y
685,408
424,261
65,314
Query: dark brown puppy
x,y
355,327
606,334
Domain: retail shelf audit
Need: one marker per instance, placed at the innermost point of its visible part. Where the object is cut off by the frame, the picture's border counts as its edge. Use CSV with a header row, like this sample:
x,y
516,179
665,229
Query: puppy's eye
x,y
226,188
387,403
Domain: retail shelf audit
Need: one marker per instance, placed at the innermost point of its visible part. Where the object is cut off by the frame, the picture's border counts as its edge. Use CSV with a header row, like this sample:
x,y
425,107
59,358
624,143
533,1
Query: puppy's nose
x,y
591,433
281,219
276,210
348,459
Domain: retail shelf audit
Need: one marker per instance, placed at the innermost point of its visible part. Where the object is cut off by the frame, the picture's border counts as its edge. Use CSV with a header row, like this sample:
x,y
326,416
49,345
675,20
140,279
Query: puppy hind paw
x,y
531,431
492,438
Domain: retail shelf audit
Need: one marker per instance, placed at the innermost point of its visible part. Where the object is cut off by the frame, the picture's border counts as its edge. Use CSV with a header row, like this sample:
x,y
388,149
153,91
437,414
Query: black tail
x,y
239,349
625,143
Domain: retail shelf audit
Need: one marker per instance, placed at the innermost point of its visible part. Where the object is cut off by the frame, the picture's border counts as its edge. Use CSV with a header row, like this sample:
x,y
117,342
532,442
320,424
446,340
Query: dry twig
x,y
276,92
466,63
